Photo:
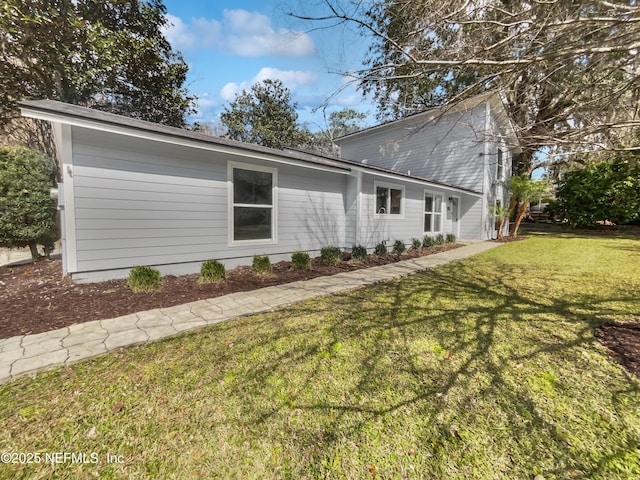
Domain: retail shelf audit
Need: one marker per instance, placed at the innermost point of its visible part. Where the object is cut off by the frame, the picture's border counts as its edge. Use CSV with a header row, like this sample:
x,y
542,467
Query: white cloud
x,y
178,33
206,102
239,32
291,79
230,90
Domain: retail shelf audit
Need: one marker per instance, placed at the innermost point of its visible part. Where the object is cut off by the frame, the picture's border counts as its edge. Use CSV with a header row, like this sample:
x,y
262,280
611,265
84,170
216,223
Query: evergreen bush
x,y
359,252
428,241
261,265
144,279
380,250
300,260
330,255
211,271
399,247
27,211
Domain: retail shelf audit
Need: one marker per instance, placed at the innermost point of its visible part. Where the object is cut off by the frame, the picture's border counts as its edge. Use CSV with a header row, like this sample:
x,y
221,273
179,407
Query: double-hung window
x,y
432,212
389,200
500,170
253,203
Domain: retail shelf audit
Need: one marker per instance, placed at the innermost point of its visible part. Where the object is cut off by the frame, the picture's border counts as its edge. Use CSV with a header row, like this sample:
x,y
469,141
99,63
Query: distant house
x,y
138,193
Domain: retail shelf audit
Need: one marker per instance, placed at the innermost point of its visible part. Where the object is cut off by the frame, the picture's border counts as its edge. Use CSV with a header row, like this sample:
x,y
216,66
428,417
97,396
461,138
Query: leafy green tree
x,y
27,211
600,192
265,115
524,190
108,55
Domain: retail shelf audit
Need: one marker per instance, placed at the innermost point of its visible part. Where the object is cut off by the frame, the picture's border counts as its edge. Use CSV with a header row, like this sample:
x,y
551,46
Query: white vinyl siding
x,y
471,226
142,202
139,202
447,149
375,228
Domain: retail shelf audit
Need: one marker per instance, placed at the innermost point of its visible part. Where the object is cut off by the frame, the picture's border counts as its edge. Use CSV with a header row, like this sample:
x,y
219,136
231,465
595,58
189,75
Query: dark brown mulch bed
x,y
507,239
623,341
35,298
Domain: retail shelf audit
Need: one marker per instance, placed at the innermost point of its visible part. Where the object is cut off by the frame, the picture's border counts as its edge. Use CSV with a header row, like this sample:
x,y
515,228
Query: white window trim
x,y
393,186
230,204
443,207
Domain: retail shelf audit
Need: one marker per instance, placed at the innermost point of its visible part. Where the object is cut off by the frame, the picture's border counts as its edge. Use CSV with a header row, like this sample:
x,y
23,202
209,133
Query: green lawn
x,y
486,368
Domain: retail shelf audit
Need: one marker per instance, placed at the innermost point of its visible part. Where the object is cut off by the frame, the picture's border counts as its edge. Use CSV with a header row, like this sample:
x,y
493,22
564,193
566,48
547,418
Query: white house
x,y
139,193
469,145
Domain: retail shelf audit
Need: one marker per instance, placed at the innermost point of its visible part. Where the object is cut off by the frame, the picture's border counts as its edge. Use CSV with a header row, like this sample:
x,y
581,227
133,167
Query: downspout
x,y
486,184
358,205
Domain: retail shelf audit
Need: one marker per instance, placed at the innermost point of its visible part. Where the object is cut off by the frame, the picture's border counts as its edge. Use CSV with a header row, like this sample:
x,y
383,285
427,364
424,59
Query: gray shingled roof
x,y
70,111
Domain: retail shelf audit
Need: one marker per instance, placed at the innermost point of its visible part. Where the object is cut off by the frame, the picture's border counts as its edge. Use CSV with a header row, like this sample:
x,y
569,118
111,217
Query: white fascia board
x,y
185,142
418,181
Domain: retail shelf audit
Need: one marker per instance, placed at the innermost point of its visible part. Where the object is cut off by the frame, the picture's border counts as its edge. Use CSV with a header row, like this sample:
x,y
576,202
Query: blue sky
x,y
229,46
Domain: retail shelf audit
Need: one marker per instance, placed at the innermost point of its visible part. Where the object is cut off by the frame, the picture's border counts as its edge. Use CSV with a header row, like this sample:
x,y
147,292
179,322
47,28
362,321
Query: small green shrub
x,y
330,255
359,252
416,244
428,242
144,279
399,247
300,260
450,238
439,240
211,271
261,265
381,249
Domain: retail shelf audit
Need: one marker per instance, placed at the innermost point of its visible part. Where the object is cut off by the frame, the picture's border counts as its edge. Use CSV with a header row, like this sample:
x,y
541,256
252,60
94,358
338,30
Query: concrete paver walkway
x,y
25,354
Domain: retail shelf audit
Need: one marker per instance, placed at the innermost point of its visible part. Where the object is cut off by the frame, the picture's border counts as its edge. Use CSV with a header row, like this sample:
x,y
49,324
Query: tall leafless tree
x,y
569,71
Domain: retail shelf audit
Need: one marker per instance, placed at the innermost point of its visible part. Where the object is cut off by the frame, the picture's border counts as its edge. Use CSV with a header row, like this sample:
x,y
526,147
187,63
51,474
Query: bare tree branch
x,y
570,72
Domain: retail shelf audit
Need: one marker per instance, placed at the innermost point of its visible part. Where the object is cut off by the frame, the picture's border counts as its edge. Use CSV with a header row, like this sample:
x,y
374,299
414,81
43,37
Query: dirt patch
x,y
623,341
36,298
508,239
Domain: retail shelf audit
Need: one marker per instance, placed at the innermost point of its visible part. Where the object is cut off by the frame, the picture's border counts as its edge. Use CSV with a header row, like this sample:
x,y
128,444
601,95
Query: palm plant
x,y
524,190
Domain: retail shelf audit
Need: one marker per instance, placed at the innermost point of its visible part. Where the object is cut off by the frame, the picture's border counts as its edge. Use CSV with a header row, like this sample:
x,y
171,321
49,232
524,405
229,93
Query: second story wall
x,y
499,160
447,148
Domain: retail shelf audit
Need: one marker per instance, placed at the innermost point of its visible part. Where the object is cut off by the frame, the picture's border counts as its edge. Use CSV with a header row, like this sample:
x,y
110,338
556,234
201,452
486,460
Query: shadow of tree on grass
x,y
436,355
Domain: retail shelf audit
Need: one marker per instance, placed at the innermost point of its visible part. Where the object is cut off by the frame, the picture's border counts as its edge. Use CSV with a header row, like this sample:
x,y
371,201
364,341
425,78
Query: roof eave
x,y
140,129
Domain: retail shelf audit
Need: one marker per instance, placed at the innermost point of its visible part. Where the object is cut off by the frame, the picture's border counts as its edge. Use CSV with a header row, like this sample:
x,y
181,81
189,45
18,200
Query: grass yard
x,y
486,368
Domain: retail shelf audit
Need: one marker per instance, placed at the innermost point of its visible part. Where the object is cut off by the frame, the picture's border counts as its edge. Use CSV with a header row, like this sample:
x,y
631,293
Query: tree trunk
x,y
521,212
503,224
35,256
